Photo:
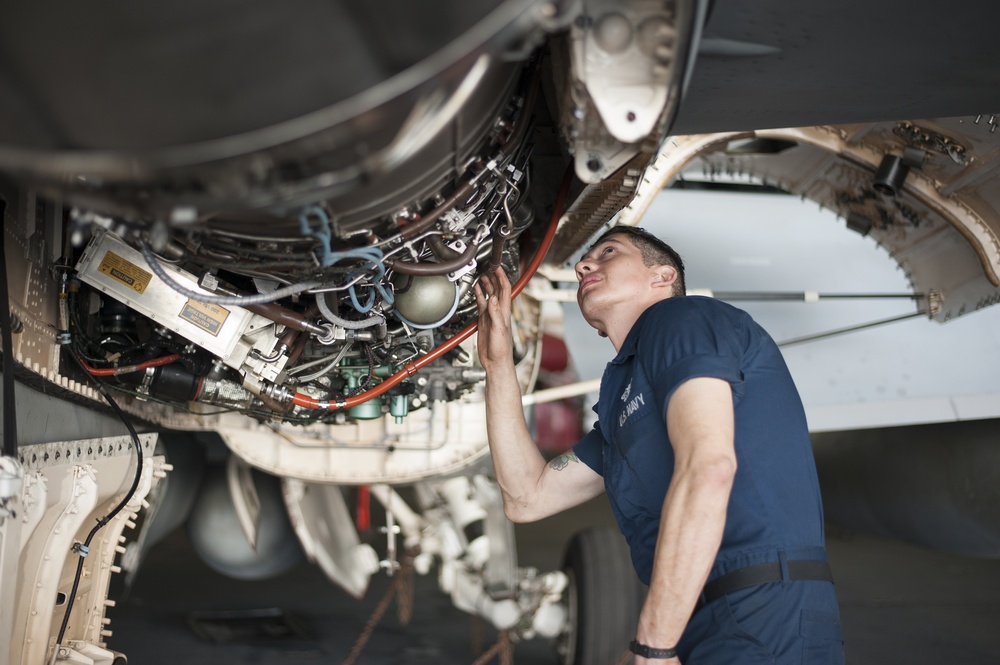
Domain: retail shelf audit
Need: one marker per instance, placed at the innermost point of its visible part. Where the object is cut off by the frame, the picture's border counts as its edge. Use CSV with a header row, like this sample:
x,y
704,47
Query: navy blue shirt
x,y
775,502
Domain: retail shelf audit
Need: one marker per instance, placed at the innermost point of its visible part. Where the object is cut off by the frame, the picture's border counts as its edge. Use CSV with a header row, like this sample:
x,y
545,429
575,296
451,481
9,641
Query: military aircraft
x,y
253,229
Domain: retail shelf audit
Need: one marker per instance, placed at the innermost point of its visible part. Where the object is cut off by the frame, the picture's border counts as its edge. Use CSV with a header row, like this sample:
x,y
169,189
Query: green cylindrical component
x,y
366,410
399,406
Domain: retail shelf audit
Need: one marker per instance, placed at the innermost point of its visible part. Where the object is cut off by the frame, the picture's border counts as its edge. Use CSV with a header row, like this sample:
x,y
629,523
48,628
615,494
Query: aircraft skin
x,y
258,228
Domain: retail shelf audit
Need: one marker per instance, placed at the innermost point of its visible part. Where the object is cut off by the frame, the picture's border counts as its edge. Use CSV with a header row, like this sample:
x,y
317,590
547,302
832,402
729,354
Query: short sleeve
x,y
692,338
590,450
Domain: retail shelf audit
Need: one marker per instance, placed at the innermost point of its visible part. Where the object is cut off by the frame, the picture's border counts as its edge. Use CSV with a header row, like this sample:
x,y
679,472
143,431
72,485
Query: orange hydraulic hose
x,y
410,369
115,371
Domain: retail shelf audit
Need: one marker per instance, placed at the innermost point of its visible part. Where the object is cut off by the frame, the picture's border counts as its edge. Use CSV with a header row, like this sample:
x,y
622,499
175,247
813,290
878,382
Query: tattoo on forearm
x,y
561,462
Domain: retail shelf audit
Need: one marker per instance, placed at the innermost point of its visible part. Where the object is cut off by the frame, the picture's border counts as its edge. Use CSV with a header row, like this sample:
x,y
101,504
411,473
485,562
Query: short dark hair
x,y
654,251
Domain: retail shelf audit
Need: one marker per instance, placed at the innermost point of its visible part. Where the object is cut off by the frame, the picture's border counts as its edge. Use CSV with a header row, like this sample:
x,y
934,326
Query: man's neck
x,y
620,323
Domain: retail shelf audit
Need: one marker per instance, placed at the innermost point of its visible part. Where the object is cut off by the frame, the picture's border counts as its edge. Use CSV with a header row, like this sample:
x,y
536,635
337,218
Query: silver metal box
x,y
114,268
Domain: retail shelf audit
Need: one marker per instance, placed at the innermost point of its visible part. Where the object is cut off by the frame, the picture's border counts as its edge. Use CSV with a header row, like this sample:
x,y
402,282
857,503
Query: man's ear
x,y
665,276
601,333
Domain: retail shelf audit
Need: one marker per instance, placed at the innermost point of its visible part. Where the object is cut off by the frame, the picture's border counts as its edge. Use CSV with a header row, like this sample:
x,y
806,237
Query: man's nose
x,y
582,267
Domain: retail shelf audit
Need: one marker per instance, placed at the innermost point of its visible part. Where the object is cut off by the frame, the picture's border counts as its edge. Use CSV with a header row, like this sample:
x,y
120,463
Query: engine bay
x,y
292,319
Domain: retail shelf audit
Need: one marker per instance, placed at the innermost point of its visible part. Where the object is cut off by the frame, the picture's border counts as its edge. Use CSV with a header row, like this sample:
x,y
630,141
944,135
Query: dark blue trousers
x,y
783,623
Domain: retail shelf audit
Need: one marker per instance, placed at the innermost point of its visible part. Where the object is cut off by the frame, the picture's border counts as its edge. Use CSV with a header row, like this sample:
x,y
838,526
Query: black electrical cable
x,y
9,404
84,549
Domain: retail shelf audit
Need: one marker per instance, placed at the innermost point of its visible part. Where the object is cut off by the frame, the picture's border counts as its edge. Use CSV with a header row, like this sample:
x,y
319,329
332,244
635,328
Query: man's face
x,y
611,272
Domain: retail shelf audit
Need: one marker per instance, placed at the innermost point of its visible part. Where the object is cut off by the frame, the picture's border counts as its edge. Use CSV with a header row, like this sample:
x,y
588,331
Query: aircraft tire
x,y
604,598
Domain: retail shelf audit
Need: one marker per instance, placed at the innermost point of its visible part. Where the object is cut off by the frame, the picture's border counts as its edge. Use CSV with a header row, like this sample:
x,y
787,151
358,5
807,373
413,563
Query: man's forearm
x,y
529,492
700,425
691,527
516,459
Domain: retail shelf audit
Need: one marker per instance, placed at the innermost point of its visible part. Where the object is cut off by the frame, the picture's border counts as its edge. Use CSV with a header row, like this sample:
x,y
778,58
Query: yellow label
x,y
207,317
125,272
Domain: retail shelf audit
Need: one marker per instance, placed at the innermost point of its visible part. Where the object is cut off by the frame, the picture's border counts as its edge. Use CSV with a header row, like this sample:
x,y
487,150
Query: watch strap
x,y
640,649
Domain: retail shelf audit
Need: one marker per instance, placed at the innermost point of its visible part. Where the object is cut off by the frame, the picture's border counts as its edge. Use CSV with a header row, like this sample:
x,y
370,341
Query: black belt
x,y
799,569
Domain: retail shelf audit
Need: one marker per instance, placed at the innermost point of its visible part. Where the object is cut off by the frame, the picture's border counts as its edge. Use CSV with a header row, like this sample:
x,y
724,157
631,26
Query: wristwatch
x,y
640,649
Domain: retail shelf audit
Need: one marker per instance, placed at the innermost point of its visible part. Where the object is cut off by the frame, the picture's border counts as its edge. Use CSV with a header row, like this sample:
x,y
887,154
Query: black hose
x,y
9,403
84,549
441,250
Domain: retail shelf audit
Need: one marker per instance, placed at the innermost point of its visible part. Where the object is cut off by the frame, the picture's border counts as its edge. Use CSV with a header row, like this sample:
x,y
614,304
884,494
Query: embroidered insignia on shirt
x,y
630,408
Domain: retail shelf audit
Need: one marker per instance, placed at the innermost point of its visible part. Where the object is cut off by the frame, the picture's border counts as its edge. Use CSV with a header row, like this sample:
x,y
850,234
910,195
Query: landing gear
x,y
604,598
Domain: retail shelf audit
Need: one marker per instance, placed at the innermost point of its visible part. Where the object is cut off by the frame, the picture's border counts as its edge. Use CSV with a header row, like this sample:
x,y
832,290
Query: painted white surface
x,y
910,372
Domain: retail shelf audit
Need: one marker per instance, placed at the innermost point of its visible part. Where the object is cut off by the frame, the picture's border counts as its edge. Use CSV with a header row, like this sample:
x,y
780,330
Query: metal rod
x,y
810,295
841,331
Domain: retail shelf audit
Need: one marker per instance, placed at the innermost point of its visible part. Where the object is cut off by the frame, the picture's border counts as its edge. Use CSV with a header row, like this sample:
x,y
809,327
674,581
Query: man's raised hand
x,y
493,298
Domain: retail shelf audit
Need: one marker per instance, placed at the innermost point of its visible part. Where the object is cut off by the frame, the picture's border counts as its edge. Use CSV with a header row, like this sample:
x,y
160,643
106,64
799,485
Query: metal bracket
x,y
624,60
931,141
460,247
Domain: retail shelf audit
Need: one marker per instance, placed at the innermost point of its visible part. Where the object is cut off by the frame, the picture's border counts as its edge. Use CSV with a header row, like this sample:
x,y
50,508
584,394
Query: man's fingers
x,y
484,295
477,290
503,291
503,283
494,286
486,289
493,299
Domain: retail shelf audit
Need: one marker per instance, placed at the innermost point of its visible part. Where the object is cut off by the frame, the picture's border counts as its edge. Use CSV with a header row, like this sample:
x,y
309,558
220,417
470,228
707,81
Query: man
x,y
702,448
